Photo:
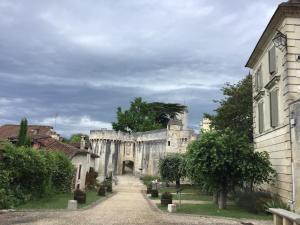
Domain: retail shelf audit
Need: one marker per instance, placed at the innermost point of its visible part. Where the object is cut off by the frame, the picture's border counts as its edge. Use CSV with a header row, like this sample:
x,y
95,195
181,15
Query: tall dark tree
x,y
235,110
23,139
143,116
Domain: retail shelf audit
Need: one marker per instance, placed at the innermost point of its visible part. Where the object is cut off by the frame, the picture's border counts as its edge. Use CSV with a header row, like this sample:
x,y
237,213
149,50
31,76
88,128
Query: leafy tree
x,y
225,160
165,111
23,139
171,168
235,110
75,138
143,116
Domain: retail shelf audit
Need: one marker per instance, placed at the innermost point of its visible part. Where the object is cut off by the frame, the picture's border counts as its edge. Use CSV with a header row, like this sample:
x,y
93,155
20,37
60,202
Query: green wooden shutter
x,y
272,60
260,117
274,108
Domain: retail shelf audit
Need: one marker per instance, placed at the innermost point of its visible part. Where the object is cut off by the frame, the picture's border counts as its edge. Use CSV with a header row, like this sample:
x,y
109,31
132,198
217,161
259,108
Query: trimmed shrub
x,y
26,173
101,190
80,196
108,185
252,201
154,193
147,179
166,198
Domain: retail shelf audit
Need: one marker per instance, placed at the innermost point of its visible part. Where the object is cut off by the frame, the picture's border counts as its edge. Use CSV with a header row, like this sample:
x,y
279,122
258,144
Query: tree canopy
x,y
225,160
171,168
142,116
235,110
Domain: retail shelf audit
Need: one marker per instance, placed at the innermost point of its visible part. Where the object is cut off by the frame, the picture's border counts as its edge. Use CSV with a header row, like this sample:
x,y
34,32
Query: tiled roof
x,y
52,144
10,131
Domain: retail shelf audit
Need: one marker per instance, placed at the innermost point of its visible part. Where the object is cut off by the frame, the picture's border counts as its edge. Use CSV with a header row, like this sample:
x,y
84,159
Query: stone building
x,y
275,64
138,153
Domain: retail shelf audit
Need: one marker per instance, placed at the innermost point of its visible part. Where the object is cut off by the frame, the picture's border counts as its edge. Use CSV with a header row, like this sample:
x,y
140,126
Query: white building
x,y
275,64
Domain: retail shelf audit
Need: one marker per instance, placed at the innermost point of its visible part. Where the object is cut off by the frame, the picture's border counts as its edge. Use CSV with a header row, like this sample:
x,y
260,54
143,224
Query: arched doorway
x,y
128,167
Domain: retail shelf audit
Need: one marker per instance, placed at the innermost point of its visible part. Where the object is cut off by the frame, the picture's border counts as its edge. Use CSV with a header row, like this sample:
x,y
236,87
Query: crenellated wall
x,y
143,149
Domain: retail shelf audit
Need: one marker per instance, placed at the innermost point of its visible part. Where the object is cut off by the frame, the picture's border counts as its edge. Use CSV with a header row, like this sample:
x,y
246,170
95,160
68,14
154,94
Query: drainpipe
x,y
292,123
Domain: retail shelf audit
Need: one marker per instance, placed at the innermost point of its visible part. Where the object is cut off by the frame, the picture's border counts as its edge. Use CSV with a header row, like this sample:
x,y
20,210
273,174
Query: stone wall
x,y
144,149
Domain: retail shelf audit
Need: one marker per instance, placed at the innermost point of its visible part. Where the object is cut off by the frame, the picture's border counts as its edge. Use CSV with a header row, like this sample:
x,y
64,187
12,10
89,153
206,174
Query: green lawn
x,y
58,201
232,211
189,192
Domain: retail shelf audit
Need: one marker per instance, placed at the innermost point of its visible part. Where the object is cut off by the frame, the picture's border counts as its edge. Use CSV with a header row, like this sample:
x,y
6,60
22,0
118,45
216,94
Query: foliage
x,y
171,168
252,201
143,116
223,161
276,202
27,173
108,185
75,138
23,139
147,179
235,110
167,195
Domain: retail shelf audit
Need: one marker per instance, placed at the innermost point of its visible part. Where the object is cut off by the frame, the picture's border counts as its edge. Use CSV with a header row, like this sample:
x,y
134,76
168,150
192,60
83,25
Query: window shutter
x,y
260,79
256,81
272,60
274,108
260,117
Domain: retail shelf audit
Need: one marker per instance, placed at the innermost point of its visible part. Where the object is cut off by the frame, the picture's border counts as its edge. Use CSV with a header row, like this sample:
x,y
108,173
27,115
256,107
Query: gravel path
x,y
128,206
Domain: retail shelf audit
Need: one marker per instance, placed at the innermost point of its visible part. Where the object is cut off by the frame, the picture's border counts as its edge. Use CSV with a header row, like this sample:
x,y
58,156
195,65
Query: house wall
x,y
277,141
86,163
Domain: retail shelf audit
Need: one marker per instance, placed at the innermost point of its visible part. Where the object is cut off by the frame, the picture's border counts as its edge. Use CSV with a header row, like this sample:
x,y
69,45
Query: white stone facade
x,y
276,88
143,149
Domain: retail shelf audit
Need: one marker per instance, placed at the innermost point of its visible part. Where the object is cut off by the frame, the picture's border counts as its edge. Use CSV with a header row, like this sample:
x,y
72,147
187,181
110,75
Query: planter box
x,y
81,199
165,202
154,193
149,190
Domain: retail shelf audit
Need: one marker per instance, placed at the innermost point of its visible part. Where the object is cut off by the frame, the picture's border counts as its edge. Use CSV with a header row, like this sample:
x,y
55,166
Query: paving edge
x,y
93,204
154,207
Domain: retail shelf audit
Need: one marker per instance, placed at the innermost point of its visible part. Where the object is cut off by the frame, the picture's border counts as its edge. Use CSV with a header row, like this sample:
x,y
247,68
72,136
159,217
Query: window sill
x,y
259,95
257,135
272,82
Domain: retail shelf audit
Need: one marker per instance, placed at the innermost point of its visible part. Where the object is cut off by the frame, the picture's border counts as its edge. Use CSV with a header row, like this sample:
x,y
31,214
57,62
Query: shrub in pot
x,y
166,198
154,193
149,188
80,196
101,190
108,185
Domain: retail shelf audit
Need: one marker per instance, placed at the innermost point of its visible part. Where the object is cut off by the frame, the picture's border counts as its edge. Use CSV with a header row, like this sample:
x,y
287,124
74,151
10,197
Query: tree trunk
x,y
215,197
177,183
222,199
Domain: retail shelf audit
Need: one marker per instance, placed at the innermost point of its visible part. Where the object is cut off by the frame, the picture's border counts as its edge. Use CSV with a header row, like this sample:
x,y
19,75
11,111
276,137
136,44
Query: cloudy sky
x,y
78,60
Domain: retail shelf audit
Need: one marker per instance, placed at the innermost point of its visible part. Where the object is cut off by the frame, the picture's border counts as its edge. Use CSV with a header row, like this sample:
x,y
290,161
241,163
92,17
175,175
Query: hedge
x,y
27,173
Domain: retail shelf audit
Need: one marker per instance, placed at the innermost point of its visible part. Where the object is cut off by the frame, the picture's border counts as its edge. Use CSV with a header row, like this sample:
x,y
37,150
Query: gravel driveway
x,y
127,206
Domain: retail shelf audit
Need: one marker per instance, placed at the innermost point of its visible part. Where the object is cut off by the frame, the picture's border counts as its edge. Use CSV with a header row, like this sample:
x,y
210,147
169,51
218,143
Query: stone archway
x,y
127,167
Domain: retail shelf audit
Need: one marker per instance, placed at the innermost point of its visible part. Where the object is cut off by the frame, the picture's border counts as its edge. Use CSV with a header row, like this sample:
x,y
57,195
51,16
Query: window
x,y
169,143
79,172
260,117
272,61
274,107
258,80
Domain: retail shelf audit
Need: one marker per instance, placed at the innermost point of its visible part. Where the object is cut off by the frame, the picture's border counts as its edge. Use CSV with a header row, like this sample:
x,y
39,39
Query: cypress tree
x,y
22,137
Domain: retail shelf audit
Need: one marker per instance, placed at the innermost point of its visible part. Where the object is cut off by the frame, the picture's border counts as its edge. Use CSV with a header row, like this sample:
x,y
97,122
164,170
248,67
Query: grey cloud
x,y
82,59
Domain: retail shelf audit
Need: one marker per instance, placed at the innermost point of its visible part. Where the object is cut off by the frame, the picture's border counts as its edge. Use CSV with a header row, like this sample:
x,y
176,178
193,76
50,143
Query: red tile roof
x,y
10,131
52,144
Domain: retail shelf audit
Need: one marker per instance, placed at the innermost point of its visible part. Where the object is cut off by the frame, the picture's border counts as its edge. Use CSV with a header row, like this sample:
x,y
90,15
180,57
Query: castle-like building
x,y
138,153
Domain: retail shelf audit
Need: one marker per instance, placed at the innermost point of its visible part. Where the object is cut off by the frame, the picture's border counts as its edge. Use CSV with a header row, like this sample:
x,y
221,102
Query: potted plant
x,y
149,188
80,196
108,184
166,198
101,190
